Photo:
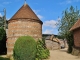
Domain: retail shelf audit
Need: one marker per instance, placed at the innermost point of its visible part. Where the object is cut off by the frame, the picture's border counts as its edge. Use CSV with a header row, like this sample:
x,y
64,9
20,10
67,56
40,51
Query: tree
x,y
69,17
2,36
1,22
2,40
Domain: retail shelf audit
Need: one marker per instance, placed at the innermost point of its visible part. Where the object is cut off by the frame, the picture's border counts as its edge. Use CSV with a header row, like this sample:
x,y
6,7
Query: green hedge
x,y
24,48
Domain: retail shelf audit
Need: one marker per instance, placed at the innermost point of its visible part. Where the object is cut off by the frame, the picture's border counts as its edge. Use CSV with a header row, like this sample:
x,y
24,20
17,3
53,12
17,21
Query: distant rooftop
x,y
76,25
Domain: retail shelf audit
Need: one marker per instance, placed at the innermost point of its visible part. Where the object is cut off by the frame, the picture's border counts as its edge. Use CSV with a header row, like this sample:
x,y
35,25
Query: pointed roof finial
x,y
25,3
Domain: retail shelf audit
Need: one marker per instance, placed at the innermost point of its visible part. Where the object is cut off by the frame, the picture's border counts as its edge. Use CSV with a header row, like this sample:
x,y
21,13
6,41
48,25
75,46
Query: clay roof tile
x,y
76,25
25,12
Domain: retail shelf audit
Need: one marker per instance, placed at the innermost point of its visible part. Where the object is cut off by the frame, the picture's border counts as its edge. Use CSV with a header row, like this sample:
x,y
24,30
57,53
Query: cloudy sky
x,y
49,11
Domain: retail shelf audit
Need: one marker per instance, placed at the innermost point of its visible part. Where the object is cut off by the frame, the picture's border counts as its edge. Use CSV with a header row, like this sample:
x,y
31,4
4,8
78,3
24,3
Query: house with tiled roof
x,y
24,22
76,34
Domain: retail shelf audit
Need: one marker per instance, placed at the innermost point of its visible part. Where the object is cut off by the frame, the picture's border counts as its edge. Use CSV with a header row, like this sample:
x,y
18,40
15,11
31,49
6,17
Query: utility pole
x,y
4,18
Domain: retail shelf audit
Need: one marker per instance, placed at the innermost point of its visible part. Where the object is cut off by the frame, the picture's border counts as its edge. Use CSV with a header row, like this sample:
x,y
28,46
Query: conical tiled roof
x,y
25,12
76,25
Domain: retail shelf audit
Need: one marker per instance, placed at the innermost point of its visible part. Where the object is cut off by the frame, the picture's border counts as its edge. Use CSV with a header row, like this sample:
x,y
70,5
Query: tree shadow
x,y
63,50
1,58
3,51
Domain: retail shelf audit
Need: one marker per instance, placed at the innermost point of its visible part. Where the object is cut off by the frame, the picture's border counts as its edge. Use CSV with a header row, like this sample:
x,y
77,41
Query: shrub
x,y
24,48
2,40
42,51
70,41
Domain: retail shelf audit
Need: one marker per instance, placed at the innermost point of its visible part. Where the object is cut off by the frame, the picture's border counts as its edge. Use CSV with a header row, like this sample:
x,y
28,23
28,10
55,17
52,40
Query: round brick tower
x,y
23,23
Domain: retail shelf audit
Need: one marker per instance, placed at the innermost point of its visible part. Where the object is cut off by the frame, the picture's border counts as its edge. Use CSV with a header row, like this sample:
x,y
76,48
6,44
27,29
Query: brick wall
x,y
76,34
22,27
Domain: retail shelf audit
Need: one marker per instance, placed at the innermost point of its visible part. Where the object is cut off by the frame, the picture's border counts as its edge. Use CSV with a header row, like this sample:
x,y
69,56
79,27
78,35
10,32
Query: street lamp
x,y
4,10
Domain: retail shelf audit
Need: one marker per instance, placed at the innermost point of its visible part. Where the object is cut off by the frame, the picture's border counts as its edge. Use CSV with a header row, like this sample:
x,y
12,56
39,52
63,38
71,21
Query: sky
x,y
49,11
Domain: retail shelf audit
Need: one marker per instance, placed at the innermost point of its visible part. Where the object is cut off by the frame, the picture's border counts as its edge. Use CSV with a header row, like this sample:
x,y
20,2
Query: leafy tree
x,y
2,36
1,22
2,40
69,17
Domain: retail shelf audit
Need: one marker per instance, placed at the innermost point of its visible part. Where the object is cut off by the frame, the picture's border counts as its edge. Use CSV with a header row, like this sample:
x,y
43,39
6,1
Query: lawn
x,y
1,58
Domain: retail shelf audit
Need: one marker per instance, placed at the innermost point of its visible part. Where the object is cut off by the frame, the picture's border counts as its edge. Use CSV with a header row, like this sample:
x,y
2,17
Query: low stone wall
x,y
51,45
76,52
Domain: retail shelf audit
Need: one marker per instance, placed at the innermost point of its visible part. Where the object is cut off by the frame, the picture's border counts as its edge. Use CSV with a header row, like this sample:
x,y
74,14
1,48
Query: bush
x,y
2,40
24,48
70,41
42,51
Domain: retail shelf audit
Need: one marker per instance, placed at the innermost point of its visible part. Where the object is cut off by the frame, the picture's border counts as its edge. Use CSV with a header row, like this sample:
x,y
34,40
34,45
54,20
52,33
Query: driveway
x,y
62,55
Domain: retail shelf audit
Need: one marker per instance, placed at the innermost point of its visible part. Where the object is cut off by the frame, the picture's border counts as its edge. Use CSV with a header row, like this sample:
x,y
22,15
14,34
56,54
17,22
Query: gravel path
x,y
62,55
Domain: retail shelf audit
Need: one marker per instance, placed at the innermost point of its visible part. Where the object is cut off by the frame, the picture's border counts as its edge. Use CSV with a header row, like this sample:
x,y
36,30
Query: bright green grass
x,y
1,58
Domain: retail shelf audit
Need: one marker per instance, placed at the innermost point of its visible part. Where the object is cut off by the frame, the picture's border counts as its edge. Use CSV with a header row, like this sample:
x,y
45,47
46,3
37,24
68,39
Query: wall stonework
x,y
22,27
76,52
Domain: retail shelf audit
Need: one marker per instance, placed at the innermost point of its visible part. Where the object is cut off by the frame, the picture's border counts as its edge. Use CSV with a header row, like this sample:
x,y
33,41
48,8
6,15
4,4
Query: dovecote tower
x,y
24,22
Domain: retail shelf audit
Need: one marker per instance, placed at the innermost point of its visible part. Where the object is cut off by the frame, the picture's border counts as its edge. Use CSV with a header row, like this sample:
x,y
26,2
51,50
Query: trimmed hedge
x,y
24,48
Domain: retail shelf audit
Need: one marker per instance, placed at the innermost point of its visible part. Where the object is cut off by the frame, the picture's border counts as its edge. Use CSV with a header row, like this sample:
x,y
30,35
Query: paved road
x,y
62,55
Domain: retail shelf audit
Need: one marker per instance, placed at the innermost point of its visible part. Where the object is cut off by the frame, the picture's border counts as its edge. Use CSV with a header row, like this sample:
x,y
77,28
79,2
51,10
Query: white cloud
x,y
47,31
0,15
40,16
69,1
6,2
59,18
50,23
37,13
50,26
7,18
